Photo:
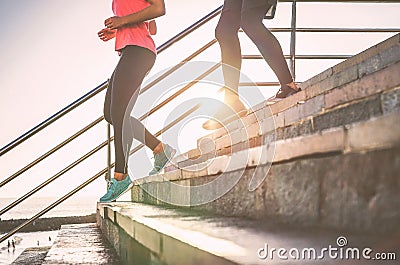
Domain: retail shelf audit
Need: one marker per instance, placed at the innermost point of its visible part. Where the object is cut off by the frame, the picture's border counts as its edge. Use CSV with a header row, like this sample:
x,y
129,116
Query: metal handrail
x,y
166,128
53,178
154,82
303,57
191,28
101,87
50,152
161,48
337,30
90,180
106,143
259,84
50,207
293,27
178,66
179,92
170,42
52,119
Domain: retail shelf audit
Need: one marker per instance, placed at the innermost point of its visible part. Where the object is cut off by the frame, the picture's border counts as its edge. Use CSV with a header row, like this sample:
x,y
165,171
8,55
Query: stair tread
x,y
81,244
364,75
232,238
377,133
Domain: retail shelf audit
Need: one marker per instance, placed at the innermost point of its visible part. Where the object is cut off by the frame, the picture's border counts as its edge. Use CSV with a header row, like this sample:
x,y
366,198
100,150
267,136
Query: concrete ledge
x,y
294,189
177,236
167,238
352,191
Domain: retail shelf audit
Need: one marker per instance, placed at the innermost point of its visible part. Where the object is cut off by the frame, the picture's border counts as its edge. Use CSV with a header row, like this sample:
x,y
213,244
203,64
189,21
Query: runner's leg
x,y
133,66
253,13
226,33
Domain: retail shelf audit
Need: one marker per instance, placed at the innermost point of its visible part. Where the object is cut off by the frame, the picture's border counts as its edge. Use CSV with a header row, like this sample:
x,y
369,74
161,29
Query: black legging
x,y
123,86
248,14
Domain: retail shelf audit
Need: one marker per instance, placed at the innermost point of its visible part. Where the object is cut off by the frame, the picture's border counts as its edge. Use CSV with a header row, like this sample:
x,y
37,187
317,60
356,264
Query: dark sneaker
x,y
226,115
284,92
161,159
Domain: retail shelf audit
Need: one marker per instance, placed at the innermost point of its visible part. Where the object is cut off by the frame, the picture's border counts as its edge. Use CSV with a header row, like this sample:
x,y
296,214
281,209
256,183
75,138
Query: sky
x,y
51,56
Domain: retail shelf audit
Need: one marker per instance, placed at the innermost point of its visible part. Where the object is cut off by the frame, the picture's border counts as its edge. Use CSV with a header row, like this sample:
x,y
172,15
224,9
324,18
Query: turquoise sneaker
x,y
116,189
161,159
107,196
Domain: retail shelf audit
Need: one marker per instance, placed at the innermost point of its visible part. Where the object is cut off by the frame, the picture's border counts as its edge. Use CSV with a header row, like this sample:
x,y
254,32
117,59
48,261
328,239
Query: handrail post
x,y
293,41
108,174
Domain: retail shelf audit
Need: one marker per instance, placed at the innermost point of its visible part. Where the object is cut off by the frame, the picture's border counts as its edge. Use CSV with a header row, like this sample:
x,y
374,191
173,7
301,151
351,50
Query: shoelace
x,y
279,91
111,184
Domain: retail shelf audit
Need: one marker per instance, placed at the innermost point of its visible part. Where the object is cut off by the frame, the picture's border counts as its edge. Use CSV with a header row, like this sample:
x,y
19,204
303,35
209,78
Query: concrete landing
x,y
32,256
161,235
80,244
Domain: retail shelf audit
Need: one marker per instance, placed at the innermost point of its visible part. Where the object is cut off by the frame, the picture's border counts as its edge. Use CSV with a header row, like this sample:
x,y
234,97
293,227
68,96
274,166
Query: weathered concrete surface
x,y
367,73
351,191
350,112
377,133
357,192
81,244
158,235
337,156
32,256
364,86
343,178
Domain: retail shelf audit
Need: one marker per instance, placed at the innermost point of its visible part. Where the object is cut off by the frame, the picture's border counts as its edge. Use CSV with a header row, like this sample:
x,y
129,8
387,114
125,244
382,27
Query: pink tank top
x,y
137,34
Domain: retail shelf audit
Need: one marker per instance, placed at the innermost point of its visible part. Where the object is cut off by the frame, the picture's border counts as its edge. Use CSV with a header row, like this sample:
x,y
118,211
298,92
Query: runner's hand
x,y
114,22
106,34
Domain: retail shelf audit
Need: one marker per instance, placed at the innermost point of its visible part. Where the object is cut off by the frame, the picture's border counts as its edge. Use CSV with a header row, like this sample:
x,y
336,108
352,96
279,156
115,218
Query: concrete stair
x,y
341,145
355,90
146,234
81,244
326,159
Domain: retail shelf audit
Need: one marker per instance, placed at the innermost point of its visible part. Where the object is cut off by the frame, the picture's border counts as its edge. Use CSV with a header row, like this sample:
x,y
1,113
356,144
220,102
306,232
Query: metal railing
x,y
107,171
7,148
96,176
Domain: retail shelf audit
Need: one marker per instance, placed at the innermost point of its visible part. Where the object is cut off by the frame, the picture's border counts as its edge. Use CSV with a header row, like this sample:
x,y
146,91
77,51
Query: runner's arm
x,y
154,10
